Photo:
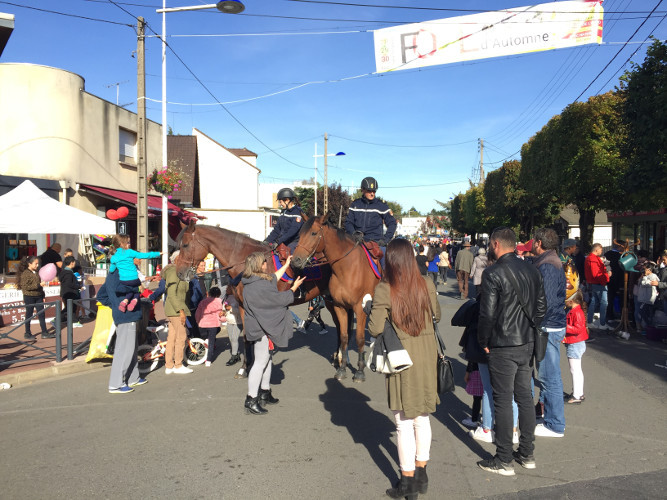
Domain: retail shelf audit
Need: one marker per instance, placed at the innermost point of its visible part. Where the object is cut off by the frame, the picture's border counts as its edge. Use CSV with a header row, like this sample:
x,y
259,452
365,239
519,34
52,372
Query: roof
x,y
182,153
6,28
226,149
571,216
241,152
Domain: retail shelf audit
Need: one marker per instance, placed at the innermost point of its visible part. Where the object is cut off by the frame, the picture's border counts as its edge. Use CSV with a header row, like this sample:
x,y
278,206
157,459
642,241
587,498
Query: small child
x,y
576,334
122,258
233,332
208,315
647,294
315,307
474,387
70,287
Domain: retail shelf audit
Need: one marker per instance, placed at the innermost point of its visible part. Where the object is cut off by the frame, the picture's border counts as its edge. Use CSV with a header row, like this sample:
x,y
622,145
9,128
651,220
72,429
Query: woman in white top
x,y
478,266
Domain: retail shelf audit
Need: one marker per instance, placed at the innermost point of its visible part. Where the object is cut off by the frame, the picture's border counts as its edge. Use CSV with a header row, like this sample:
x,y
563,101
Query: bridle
x,y
324,262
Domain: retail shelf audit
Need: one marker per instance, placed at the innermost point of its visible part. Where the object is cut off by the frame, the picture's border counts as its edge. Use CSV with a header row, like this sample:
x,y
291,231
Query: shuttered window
x,y
127,142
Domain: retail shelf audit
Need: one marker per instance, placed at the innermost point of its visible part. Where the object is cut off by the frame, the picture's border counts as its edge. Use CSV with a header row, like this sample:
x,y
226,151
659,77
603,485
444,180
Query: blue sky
x,y
416,131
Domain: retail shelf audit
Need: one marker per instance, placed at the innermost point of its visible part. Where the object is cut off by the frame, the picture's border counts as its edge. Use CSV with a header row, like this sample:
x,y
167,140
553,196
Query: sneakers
x,y
525,462
496,466
606,327
141,381
132,305
28,336
301,325
541,430
207,364
121,390
77,325
481,434
576,401
182,370
468,422
48,335
323,331
122,307
168,371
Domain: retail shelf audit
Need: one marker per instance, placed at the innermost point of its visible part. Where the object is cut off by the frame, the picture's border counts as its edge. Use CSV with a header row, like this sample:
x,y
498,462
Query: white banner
x,y
519,30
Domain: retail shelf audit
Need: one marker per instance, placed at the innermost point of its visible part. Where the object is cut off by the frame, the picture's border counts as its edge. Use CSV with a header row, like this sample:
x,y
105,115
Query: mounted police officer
x,y
289,223
368,214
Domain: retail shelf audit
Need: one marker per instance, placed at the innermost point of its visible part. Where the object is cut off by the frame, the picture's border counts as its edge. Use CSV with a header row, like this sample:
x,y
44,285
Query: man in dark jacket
x,y
549,377
507,333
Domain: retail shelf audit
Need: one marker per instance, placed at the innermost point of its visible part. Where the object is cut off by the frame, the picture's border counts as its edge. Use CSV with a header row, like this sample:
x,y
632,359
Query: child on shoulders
x,y
122,258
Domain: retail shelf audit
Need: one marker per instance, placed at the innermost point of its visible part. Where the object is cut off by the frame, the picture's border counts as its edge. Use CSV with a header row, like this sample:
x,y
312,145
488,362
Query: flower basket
x,y
167,180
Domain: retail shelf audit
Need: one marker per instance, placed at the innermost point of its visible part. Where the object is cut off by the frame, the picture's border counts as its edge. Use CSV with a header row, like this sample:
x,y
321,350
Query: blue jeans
x,y
598,298
551,384
510,376
488,412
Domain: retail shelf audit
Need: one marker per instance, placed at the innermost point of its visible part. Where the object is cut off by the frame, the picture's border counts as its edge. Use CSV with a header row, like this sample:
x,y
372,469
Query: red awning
x,y
154,202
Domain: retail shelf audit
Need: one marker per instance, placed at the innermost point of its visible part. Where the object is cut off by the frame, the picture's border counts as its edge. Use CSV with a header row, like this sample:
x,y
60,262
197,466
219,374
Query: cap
x,y
525,247
569,243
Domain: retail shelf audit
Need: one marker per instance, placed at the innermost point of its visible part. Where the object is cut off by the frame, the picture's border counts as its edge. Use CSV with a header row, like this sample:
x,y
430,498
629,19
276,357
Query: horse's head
x,y
192,250
311,241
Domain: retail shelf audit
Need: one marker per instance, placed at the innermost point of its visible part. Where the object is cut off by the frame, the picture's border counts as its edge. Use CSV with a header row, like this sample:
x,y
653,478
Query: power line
x,y
66,14
403,145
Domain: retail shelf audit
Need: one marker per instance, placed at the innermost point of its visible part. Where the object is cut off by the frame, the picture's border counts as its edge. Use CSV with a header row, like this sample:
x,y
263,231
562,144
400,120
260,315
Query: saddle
x,y
374,249
282,251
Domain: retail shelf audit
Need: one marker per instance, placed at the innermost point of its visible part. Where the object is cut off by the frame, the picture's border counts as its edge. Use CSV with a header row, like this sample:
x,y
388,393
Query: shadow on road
x,y
349,408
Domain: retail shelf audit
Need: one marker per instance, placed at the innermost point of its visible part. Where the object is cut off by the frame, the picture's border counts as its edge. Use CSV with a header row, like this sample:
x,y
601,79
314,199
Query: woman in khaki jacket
x,y
408,299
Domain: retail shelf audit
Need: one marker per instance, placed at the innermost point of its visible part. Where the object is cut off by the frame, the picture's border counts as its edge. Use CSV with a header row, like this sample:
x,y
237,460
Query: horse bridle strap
x,y
326,262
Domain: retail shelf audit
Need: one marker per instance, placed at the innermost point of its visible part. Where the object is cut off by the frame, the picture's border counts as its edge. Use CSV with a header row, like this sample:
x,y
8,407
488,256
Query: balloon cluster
x,y
121,213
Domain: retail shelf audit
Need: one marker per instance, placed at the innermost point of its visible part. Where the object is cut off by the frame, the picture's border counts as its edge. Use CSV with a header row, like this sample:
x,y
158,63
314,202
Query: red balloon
x,y
112,214
122,212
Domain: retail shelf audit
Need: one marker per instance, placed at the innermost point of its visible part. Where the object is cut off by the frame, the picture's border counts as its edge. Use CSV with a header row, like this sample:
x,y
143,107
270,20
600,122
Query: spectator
x,y
462,266
422,260
69,288
662,283
233,320
31,286
432,259
52,256
124,375
549,377
647,294
409,301
122,258
443,264
475,389
597,278
315,307
208,315
506,332
616,278
575,343
478,265
196,293
176,310
266,322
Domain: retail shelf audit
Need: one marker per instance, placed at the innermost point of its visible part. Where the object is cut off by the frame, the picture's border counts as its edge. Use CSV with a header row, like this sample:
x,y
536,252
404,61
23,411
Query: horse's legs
x,y
359,375
341,355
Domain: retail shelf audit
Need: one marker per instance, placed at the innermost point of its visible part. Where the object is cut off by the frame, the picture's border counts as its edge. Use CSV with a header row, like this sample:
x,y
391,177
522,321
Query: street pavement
x,y
187,436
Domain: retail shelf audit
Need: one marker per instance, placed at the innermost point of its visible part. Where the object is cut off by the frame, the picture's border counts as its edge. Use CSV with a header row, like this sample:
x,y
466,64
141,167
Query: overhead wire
x,y
67,14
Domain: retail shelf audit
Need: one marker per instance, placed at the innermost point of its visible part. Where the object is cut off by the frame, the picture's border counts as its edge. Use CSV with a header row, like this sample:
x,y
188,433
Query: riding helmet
x,y
369,184
286,193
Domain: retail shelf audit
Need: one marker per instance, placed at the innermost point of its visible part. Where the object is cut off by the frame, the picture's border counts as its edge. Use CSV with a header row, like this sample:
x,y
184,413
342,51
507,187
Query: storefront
x,y
649,227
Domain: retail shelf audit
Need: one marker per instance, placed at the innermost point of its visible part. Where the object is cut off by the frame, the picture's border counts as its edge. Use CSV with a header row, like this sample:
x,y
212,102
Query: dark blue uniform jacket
x,y
368,216
288,226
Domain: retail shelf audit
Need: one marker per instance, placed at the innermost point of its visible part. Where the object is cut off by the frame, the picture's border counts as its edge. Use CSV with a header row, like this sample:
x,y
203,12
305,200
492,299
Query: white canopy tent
x,y
26,209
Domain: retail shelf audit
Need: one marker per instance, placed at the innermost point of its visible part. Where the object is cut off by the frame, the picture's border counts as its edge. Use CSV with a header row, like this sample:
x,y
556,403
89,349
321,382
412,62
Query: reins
x,y
325,262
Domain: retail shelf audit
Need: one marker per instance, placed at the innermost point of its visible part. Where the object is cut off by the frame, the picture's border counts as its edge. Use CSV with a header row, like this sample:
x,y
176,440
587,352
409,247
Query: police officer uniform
x,y
366,217
289,223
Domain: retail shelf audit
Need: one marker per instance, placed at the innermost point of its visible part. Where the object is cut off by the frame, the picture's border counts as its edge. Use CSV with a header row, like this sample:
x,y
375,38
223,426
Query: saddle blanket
x,y
311,273
372,263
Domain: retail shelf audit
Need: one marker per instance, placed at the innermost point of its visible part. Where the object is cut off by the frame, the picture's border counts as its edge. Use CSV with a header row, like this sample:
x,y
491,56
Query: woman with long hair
x,y
266,320
409,301
31,285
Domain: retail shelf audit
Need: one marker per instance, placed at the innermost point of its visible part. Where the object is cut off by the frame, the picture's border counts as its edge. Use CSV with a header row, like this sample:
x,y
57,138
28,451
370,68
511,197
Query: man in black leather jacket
x,y
505,332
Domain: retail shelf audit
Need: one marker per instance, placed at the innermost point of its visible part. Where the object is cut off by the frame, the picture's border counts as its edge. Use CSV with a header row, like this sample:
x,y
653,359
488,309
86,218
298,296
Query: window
x,y
127,143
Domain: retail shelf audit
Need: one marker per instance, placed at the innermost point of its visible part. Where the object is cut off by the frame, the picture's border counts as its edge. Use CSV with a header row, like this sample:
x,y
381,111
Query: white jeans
x,y
413,436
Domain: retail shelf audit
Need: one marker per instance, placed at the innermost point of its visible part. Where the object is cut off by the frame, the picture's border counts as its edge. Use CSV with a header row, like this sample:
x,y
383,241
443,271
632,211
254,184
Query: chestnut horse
x,y
351,279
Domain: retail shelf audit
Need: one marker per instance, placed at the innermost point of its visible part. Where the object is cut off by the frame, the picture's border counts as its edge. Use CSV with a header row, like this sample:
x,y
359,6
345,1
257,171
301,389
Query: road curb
x,y
63,368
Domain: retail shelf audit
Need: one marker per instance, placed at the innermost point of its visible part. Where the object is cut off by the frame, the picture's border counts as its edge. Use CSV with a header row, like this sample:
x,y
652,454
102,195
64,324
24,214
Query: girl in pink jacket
x,y
209,315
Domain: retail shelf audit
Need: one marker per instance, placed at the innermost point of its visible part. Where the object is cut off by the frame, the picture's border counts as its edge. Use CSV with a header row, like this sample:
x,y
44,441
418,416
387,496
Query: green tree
x,y
645,115
457,215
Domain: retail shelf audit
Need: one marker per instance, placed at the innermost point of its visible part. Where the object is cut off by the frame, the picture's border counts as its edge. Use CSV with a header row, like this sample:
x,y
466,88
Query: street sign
x,y
122,227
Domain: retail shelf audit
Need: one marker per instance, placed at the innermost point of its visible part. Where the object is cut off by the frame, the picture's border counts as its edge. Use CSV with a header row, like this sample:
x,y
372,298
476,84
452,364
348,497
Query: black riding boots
x,y
234,359
405,488
253,407
265,397
421,479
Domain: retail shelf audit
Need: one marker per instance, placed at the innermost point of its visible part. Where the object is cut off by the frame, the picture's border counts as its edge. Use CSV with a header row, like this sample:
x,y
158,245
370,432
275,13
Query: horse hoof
x,y
341,373
359,377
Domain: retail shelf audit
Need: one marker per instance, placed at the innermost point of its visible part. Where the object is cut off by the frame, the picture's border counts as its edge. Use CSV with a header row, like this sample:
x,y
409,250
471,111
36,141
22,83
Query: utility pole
x,y
481,161
326,185
142,199
315,156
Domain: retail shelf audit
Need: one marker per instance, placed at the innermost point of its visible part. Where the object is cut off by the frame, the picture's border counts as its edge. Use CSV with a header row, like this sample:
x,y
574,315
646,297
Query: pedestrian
x,y
597,277
31,287
122,258
233,317
647,294
409,301
615,285
315,307
508,316
432,259
266,322
209,315
196,293
443,265
176,310
70,288
476,390
422,260
52,256
549,379
124,375
661,282
575,343
478,265
462,266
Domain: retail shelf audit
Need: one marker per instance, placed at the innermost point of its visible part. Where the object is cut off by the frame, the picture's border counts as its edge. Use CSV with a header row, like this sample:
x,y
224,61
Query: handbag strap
x,y
522,301
440,342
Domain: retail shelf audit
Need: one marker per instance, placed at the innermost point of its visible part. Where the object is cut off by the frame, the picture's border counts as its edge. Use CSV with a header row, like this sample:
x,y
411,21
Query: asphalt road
x,y
186,436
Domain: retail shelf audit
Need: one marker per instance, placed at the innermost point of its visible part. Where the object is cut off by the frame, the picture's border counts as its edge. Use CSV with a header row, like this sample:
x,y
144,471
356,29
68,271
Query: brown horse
x,y
351,279
196,241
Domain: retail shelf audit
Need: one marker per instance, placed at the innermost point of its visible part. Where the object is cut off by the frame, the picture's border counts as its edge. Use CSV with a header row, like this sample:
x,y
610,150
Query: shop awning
x,y
154,202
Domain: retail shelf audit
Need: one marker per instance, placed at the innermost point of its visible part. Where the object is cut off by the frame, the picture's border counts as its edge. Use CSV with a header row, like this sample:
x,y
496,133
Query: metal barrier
x,y
57,353
71,350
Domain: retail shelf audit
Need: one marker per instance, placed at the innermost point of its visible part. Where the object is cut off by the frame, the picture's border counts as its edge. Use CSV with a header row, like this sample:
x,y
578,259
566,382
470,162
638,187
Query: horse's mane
x,y
227,233
340,232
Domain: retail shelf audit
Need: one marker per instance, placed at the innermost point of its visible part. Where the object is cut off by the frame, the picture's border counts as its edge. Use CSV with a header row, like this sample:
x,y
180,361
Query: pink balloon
x,y
48,272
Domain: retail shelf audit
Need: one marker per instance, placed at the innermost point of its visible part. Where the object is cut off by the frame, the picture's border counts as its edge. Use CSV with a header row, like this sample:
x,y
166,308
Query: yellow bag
x,y
104,331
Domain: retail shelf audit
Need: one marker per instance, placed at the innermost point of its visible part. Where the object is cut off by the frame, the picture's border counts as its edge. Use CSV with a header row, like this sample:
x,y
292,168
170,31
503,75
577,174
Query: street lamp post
x,y
226,6
325,156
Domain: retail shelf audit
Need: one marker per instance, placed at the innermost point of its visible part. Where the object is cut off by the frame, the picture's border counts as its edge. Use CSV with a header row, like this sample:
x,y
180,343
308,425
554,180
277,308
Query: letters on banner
x,y
518,30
